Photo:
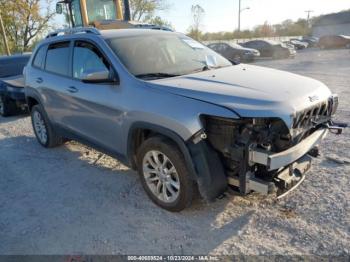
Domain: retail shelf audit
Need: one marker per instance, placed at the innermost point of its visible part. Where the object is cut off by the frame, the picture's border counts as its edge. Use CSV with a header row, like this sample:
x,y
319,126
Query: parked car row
x,y
249,51
269,48
235,52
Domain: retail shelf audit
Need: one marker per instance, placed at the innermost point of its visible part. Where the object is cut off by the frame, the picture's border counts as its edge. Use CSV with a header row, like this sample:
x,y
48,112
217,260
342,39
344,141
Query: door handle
x,y
72,89
39,80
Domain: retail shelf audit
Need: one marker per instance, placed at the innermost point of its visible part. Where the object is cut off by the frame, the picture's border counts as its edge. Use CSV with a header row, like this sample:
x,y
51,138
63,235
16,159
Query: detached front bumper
x,y
292,165
289,167
275,161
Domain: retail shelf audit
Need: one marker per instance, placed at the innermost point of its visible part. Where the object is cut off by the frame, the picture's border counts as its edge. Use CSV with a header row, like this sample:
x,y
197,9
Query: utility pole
x,y
239,14
3,33
308,15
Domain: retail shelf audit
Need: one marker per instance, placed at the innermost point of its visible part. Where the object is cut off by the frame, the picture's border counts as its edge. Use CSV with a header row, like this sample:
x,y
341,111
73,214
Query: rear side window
x,y
57,58
40,57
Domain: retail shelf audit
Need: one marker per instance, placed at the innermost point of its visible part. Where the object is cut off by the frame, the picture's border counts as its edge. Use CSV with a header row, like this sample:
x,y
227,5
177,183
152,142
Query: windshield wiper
x,y
156,75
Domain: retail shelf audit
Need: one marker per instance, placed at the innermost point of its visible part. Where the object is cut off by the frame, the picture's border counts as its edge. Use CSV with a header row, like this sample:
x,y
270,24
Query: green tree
x,y
144,10
264,30
197,18
25,21
157,20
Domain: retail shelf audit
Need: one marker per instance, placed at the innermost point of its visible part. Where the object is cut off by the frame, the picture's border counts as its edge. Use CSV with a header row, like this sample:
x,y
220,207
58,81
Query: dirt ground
x,y
69,200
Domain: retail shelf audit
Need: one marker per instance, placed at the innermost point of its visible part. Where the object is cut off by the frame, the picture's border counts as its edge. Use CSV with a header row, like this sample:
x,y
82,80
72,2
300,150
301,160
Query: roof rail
x,y
76,30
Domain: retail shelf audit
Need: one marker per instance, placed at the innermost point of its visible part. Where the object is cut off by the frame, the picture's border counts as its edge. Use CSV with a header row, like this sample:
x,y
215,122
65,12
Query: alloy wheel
x,y
161,176
39,127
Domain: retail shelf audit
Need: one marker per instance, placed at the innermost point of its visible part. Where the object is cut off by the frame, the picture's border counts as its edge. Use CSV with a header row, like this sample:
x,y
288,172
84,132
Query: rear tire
x,y
7,106
43,129
164,174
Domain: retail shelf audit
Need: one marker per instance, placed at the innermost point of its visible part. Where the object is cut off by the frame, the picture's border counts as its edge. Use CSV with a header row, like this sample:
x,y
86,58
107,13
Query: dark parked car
x,y
12,97
289,45
269,48
298,44
334,41
235,52
311,40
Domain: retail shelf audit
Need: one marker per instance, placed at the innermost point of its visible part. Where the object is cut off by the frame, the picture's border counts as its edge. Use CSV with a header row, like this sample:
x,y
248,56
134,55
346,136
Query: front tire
x,y
164,174
43,129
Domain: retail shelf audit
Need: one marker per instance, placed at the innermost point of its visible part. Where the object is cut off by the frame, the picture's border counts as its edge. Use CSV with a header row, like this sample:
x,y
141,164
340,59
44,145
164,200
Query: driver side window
x,y
87,58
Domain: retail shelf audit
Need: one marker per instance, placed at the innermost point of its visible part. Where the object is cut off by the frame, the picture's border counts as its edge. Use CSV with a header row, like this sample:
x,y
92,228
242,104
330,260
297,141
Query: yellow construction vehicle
x,y
102,14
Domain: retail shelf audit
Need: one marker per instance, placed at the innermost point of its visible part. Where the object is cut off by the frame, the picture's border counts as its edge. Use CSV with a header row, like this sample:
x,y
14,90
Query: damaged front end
x,y
263,154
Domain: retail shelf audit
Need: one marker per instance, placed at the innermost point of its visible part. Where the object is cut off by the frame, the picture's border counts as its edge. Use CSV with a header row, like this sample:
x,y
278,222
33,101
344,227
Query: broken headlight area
x,y
261,154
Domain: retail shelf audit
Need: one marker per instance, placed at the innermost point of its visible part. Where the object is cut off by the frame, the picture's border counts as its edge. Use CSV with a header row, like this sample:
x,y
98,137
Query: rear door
x,y
50,76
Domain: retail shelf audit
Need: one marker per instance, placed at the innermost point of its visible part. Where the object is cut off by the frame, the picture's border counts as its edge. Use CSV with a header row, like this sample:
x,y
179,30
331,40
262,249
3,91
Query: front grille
x,y
313,115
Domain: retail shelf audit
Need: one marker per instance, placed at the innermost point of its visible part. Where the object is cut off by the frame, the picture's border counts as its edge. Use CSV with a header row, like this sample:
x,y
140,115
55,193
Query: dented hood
x,y
249,91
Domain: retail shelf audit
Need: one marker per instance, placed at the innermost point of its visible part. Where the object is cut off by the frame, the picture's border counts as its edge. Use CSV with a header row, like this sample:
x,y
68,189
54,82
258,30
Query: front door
x,y
96,112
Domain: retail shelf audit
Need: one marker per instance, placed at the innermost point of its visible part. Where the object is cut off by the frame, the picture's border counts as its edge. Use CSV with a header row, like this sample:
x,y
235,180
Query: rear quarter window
x,y
57,58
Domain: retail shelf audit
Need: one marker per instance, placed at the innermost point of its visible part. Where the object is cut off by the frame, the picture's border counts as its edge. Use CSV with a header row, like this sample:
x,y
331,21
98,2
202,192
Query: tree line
x,y
286,28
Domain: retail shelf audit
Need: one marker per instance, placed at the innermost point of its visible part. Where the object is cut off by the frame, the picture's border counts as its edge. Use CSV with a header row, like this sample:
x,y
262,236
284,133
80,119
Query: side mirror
x,y
59,9
211,61
98,76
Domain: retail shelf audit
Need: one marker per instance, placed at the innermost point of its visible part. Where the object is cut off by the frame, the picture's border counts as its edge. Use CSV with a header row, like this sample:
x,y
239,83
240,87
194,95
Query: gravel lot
x,y
65,200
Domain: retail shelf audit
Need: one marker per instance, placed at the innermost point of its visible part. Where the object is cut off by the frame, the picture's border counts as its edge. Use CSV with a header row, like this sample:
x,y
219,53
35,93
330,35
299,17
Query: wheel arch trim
x,y
31,94
204,165
161,131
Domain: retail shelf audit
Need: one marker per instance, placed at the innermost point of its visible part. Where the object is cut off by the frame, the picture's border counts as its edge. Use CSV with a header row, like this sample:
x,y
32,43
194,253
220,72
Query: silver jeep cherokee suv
x,y
177,112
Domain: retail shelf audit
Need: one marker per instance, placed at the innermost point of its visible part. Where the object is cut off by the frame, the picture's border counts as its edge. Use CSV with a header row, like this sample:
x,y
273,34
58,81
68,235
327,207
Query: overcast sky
x,y
222,15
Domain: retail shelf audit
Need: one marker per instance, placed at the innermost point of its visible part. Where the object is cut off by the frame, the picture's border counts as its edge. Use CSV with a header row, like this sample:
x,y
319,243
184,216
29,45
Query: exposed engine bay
x,y
263,154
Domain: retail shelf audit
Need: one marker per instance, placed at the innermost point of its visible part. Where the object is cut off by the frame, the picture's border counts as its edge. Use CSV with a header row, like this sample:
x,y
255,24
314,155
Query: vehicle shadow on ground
x,y
12,118
70,199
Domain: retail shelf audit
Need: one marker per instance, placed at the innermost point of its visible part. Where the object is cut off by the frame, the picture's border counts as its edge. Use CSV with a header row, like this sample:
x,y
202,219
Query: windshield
x,y
76,13
235,45
171,54
100,10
